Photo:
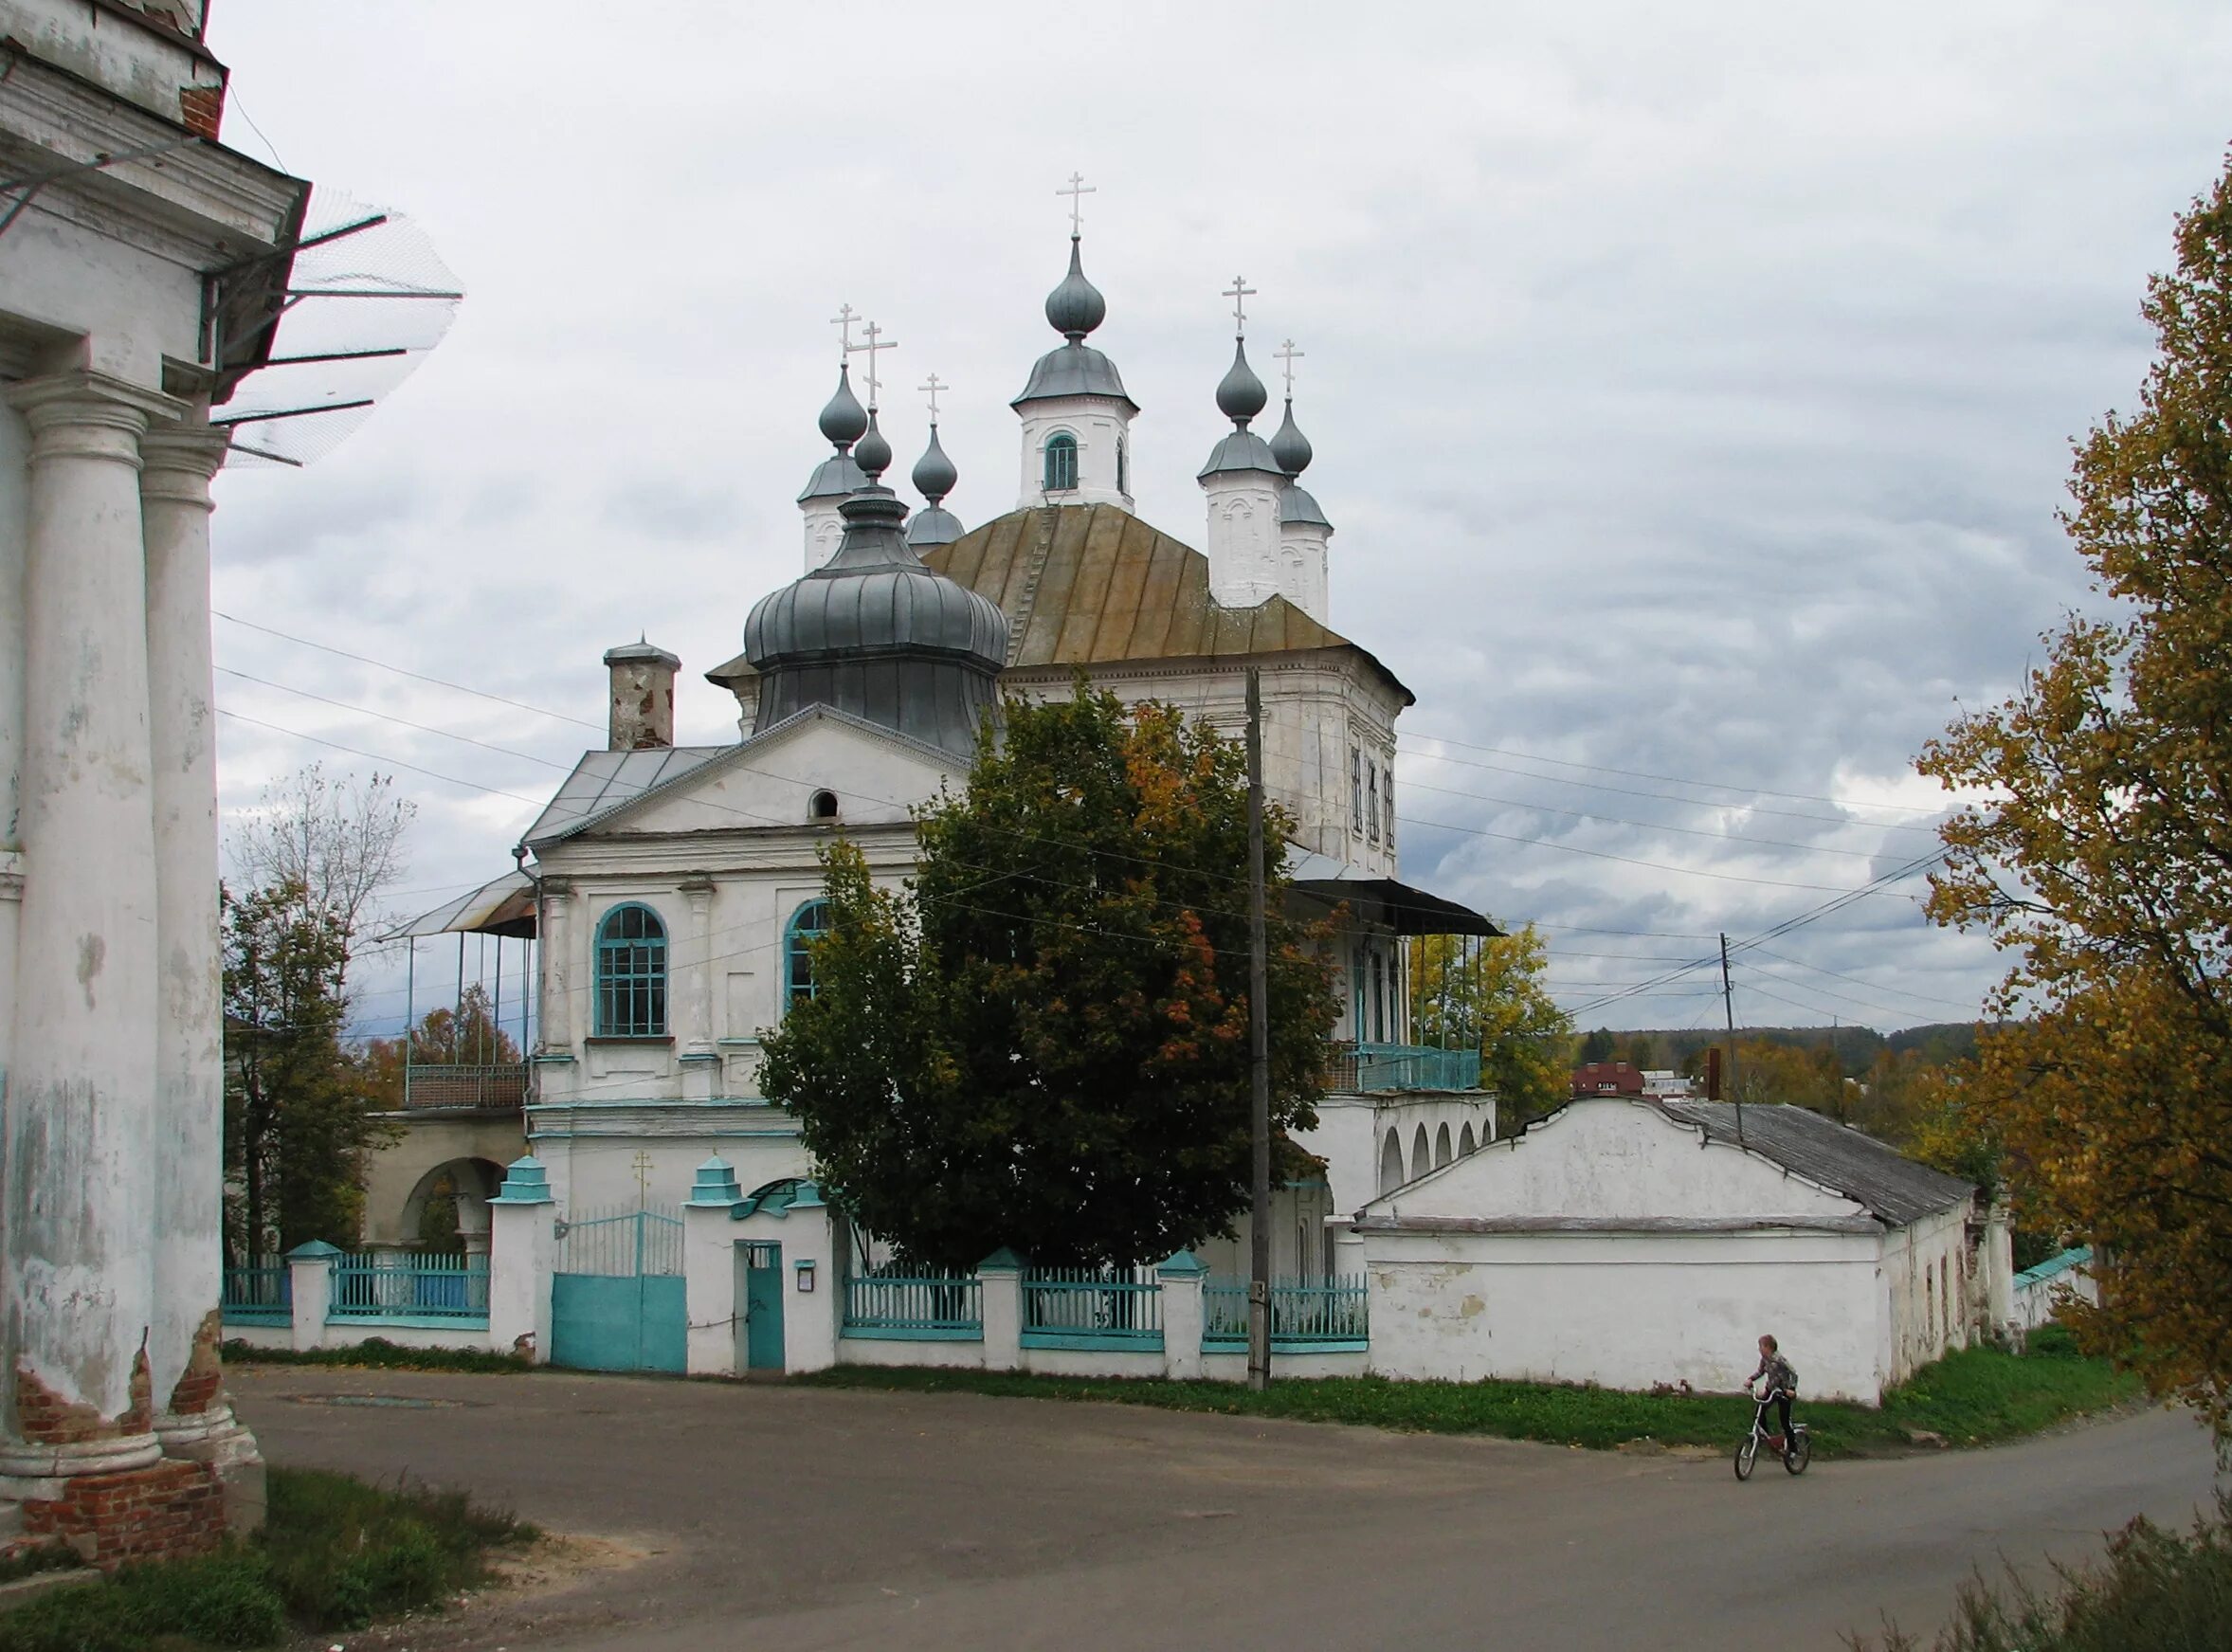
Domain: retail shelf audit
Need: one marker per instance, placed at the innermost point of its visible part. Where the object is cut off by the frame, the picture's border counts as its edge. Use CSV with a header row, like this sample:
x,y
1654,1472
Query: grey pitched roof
x,y
1074,370
602,781
1895,1187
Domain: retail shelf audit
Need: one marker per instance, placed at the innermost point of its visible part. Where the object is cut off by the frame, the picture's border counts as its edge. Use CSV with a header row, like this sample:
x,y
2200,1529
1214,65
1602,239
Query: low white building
x,y
1635,1243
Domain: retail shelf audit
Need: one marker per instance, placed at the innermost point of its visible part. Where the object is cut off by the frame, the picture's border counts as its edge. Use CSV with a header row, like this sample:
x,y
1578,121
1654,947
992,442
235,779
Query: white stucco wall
x,y
1098,423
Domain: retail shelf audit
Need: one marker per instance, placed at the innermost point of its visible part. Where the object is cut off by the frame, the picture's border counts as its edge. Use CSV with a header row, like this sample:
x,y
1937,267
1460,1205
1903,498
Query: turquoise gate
x,y
616,1299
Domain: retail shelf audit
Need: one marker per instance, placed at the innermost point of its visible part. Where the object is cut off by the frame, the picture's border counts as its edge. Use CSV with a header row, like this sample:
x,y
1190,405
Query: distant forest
x,y
1857,1047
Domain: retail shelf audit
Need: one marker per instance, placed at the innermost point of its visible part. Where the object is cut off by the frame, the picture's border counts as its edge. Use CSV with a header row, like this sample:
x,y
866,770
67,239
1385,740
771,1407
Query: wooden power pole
x,y
1728,1003
1260,1058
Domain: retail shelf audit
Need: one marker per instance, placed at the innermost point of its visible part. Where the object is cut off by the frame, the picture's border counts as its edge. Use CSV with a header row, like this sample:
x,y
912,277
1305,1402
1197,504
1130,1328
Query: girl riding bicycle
x,y
1782,1382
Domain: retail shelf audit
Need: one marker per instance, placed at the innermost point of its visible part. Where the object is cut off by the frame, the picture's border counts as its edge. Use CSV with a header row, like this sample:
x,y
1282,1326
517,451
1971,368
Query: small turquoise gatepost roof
x,y
1182,1264
315,1251
526,1182
1002,1262
717,1186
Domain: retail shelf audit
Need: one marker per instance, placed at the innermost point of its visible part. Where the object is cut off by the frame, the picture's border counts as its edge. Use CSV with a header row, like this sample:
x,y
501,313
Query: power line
x,y
1627,860
1674,797
1652,825
1669,779
400,722
1872,986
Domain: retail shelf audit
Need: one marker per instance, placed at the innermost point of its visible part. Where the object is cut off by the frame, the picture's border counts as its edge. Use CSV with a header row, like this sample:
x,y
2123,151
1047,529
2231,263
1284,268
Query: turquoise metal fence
x,y
918,1307
258,1296
410,1286
1117,1308
1327,1315
1368,1068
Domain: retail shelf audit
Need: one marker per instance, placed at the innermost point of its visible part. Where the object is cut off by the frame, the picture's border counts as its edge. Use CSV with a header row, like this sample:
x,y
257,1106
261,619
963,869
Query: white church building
x,y
670,890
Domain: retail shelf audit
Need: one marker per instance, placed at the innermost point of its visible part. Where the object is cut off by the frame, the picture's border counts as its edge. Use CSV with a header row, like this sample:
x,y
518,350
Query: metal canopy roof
x,y
1402,907
504,905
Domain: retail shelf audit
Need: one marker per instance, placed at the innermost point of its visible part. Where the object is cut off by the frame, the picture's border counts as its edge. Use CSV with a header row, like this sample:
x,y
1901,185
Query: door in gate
x,y
617,1296
763,1306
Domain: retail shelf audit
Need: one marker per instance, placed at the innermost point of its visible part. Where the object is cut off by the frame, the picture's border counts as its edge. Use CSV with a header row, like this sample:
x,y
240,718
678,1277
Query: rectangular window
x,y
1372,818
1356,788
1388,806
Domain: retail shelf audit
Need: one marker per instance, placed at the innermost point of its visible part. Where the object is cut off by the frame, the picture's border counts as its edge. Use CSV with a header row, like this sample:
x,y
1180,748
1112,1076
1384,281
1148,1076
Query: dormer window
x,y
1061,463
823,808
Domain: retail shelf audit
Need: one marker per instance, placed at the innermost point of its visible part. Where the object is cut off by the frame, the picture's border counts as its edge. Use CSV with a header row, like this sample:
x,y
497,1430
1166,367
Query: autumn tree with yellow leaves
x,y
2101,860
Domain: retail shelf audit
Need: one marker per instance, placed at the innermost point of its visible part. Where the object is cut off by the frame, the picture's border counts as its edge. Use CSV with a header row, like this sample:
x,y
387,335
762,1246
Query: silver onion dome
x,y
843,421
1289,446
873,451
935,475
1240,393
1075,307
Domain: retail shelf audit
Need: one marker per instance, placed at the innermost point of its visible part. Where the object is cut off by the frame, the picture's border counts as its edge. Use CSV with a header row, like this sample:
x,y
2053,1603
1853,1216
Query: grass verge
x,y
378,1353
1972,1397
334,1554
2165,1591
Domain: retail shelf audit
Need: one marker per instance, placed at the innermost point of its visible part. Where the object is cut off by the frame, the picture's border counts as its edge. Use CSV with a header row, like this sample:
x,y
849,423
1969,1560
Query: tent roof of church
x,y
1089,585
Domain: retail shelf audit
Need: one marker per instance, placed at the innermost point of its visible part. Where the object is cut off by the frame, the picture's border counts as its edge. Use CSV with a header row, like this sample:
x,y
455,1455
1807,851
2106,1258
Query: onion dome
x,y
843,421
934,477
875,634
1075,368
1241,394
873,452
1075,307
1290,446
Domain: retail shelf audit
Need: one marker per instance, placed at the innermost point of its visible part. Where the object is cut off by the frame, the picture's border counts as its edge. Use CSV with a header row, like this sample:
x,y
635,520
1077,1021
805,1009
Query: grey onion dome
x,y
1289,446
1297,505
935,475
875,634
1241,394
1076,307
845,420
873,451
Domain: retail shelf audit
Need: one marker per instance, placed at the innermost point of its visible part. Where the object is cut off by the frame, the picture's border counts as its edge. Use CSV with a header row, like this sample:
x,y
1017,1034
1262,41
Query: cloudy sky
x,y
1692,390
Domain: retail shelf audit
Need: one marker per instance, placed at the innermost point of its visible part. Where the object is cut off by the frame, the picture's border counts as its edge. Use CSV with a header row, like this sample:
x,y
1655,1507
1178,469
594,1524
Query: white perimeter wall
x,y
1627,1310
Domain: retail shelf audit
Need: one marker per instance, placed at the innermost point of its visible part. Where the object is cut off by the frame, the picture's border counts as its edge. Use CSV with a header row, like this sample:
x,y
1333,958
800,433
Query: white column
x,y
178,462
555,1017
999,1278
710,1271
1181,1278
77,1293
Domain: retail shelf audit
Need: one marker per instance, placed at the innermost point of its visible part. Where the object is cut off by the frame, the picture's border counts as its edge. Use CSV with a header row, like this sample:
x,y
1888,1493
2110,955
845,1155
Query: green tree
x,y
2102,859
1597,1046
465,1034
1488,996
296,1124
1044,1044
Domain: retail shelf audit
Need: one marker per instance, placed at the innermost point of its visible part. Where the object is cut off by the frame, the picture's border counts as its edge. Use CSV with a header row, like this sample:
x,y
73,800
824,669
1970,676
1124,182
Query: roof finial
x,y
1076,191
843,321
1288,355
1240,292
876,342
932,385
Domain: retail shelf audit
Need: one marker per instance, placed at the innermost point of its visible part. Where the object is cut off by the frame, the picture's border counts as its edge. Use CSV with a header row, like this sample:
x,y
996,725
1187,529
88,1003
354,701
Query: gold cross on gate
x,y
640,1164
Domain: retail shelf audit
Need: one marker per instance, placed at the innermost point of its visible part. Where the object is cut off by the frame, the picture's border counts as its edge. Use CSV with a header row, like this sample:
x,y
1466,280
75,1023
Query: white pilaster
x,y
81,1125
555,1015
522,1249
310,1284
1302,558
178,462
824,527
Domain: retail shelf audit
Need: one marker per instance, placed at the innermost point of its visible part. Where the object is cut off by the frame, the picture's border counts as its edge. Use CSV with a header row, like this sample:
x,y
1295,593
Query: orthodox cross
x,y
1288,354
1078,189
1240,292
843,320
876,341
640,1164
932,385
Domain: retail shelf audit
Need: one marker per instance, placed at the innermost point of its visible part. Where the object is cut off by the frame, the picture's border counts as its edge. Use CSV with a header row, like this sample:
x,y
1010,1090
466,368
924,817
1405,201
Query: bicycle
x,y
1796,1451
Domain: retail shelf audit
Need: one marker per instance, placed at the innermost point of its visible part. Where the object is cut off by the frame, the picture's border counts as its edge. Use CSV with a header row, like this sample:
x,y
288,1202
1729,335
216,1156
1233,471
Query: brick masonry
x,y
203,1380
170,1509
43,1417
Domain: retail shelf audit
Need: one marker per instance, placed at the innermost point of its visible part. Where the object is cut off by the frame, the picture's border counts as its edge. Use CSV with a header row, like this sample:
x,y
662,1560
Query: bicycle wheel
x,y
1746,1453
1801,1452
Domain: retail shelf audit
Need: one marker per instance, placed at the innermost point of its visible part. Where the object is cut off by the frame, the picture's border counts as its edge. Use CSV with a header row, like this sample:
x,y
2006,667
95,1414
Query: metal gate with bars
x,y
617,1296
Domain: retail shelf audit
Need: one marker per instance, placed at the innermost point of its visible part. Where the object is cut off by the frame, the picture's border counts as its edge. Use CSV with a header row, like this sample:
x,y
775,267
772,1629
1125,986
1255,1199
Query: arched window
x,y
1422,1153
1442,1153
1466,1143
1390,1162
823,806
1123,466
632,973
1061,462
808,923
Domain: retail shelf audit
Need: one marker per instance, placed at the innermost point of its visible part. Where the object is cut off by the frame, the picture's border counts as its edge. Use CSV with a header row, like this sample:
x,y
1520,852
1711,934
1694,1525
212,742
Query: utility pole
x,y
1728,1003
1260,1058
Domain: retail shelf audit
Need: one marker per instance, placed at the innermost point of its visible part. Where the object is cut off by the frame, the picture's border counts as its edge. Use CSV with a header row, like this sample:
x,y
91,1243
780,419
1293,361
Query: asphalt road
x,y
818,1518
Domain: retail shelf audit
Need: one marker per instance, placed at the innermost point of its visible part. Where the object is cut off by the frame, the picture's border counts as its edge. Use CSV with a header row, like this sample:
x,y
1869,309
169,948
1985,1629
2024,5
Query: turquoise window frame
x,y
809,921
631,972
1061,463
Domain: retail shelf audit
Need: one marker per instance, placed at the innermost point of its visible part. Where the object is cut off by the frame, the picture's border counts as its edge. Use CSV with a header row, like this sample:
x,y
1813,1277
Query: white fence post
x,y
1000,1291
310,1279
1182,1277
522,1242
709,1270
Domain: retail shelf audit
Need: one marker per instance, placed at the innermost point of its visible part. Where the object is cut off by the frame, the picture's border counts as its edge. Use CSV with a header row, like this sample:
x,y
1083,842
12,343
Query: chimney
x,y
642,696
